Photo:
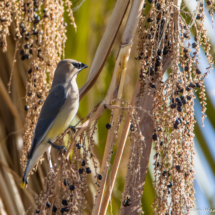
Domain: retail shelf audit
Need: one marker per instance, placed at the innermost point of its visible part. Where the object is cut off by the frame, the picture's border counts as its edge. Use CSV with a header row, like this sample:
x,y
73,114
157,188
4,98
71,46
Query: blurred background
x,y
91,17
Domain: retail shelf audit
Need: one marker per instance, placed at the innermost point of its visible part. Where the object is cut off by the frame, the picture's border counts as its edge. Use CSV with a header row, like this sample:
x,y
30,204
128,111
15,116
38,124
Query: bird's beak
x,y
84,66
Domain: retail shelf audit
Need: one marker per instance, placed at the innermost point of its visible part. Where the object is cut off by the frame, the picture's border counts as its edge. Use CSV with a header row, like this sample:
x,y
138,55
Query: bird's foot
x,y
72,128
59,148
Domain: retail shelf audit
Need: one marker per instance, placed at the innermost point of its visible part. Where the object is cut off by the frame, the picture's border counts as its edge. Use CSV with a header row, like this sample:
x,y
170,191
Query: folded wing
x,y
51,108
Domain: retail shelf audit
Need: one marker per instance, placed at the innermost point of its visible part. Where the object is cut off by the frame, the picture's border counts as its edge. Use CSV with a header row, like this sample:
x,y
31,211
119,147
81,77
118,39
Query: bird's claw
x,y
59,148
72,128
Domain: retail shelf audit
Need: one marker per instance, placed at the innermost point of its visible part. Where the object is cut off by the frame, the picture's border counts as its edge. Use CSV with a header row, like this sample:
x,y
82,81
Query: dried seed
x,y
26,107
83,163
188,97
194,45
188,89
88,170
198,71
186,68
108,125
78,145
22,52
80,171
64,202
72,187
179,109
65,182
23,57
54,209
172,106
169,185
66,209
99,177
149,20
178,168
154,136
48,204
132,127
30,71
199,16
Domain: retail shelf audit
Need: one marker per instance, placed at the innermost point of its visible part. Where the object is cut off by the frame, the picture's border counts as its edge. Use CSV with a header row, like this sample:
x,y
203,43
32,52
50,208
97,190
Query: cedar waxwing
x,y
59,109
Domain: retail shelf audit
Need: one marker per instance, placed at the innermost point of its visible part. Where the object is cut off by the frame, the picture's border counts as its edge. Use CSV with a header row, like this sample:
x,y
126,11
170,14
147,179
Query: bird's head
x,y
67,69
70,66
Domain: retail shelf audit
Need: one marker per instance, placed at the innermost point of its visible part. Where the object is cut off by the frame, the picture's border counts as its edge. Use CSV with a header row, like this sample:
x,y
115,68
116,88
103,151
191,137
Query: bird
x,y
57,113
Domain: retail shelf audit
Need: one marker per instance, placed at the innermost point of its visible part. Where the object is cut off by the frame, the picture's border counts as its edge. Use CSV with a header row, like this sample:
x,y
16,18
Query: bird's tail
x,y
22,185
24,182
24,179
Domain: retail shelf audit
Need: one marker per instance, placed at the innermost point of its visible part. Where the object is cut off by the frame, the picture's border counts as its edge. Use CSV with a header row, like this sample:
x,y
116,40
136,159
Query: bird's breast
x,y
65,116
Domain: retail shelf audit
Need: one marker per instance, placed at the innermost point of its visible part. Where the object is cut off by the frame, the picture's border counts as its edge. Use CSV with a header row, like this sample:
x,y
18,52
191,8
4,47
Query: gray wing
x,y
51,107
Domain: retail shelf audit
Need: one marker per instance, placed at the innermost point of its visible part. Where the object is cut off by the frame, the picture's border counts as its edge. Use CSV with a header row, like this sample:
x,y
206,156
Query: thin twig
x,y
14,60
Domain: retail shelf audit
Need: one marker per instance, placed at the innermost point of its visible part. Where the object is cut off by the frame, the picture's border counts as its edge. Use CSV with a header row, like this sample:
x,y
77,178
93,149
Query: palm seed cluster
x,y
40,38
163,34
66,184
137,141
43,37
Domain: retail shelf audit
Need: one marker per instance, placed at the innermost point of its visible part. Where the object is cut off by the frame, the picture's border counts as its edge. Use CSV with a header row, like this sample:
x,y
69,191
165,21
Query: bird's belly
x,y
63,120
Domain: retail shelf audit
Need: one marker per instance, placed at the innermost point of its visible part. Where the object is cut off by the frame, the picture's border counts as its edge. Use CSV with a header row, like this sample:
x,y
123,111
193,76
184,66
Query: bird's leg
x,y
57,147
49,159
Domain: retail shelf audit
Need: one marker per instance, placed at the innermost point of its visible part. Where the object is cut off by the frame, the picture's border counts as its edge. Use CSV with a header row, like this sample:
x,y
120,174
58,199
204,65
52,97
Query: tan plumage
x,y
59,109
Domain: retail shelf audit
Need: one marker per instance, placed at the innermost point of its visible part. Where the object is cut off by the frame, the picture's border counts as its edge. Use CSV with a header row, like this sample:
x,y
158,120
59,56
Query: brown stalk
x,y
117,160
105,45
10,208
146,126
54,193
177,3
10,104
114,88
18,179
7,177
121,63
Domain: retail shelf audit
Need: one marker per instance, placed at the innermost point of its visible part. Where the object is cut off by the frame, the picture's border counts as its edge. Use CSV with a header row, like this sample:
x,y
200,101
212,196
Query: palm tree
x,y
130,128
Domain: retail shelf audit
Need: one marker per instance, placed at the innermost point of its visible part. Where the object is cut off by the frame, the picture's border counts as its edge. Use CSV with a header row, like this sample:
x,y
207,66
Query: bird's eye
x,y
77,65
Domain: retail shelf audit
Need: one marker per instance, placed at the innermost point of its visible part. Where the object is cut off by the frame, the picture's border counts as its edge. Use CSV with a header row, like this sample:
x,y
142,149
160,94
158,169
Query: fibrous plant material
x,y
163,32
